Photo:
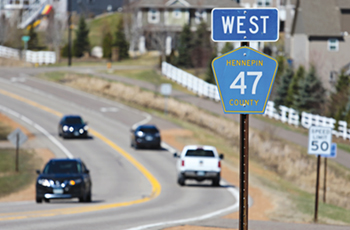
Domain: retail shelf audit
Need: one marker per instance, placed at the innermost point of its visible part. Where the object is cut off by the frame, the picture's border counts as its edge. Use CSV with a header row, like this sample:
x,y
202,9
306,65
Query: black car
x,y
72,126
145,136
63,179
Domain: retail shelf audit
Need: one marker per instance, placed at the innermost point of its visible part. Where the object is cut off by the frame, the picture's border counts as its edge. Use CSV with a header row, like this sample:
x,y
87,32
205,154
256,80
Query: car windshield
x,y
149,130
199,153
62,167
73,120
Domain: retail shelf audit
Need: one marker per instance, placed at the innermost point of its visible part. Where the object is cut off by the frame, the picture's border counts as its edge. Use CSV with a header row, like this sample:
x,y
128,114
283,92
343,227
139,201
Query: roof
x,y
208,4
318,18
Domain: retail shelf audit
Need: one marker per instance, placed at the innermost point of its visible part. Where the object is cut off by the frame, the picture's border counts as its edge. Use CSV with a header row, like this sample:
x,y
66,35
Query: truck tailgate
x,y
201,164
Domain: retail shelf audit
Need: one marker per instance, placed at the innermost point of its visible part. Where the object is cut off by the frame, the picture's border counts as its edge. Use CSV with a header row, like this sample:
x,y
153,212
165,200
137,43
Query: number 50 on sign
x,y
320,140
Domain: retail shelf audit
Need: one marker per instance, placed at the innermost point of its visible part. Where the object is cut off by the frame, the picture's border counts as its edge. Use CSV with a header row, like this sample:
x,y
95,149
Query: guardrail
x,y
36,57
284,114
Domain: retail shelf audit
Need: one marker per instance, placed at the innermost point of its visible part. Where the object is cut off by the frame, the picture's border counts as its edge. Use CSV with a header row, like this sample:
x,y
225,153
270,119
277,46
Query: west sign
x,y
244,78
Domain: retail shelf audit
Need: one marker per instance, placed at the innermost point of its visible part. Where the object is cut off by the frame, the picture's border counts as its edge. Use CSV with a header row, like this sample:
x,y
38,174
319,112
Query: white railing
x,y
192,83
285,114
36,57
306,120
33,11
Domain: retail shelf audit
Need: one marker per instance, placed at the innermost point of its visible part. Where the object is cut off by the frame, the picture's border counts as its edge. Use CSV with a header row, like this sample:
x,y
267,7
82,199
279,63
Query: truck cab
x,y
199,163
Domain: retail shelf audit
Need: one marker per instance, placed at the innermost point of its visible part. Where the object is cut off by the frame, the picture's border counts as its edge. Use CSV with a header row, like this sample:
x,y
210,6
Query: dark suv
x,y
63,179
72,126
146,136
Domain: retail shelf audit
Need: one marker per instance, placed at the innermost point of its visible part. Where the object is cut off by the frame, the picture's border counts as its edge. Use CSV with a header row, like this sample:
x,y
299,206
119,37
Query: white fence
x,y
191,82
40,57
285,114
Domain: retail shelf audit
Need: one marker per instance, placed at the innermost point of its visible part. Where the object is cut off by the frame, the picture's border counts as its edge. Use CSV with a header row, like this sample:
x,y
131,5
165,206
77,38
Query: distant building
x,y
319,36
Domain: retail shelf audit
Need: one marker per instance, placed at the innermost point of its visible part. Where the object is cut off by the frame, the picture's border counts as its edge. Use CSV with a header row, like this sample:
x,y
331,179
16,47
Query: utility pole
x,y
69,32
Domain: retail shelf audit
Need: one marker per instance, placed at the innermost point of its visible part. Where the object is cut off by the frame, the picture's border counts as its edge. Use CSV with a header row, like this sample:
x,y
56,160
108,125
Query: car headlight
x,y
45,182
81,131
65,128
74,182
86,128
71,129
140,133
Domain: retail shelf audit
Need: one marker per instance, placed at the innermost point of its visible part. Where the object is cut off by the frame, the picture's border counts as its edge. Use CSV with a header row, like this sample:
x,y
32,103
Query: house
x,y
157,23
161,21
319,36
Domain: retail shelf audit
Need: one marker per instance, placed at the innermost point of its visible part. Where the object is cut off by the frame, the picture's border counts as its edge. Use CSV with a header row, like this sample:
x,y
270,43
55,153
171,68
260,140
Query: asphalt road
x,y
124,195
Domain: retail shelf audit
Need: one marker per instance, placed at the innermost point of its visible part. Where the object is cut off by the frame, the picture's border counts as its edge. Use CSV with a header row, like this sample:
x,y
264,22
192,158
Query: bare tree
x,y
55,32
3,29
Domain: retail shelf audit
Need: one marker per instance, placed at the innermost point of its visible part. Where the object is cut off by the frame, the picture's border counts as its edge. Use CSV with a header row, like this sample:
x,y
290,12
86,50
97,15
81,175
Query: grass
x,y
4,131
10,180
100,26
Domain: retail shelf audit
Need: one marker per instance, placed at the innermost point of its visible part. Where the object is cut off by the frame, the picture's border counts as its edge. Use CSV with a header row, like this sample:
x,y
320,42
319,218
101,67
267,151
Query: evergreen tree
x,y
227,48
107,45
294,86
202,50
185,47
311,94
282,90
34,41
209,74
81,42
120,41
339,106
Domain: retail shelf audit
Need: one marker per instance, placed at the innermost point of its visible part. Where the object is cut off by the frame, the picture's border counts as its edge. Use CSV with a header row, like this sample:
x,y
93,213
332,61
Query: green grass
x,y
4,131
10,180
100,26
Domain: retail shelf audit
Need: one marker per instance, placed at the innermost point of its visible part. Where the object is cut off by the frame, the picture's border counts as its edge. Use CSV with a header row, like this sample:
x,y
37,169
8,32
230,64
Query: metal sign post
x,y
17,138
320,140
244,76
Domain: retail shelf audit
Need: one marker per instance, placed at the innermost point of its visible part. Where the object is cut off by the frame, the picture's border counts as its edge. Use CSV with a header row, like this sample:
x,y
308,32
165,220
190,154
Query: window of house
x,y
153,16
333,44
177,13
200,15
264,3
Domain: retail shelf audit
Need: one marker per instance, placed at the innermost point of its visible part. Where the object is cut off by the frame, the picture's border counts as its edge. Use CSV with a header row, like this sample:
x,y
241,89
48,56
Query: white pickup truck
x,y
199,163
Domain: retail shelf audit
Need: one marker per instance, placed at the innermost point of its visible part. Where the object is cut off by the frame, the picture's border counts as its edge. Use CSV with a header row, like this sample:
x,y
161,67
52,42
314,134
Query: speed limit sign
x,y
320,140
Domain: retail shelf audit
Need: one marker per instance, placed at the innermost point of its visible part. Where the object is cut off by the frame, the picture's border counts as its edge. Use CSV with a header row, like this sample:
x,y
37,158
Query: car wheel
x,y
88,197
46,200
181,180
38,200
216,182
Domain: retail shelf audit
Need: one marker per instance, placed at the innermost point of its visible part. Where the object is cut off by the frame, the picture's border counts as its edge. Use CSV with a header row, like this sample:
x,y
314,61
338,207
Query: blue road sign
x,y
240,24
333,151
244,78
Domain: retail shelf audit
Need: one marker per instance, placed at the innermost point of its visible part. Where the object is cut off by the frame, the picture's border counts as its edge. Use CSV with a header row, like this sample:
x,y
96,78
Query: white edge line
x,y
234,207
38,127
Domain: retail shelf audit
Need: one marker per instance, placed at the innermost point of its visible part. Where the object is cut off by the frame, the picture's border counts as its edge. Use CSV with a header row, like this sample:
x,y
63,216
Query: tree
x,y
311,95
294,86
81,42
202,50
227,48
282,90
339,106
34,41
184,48
107,45
209,74
120,41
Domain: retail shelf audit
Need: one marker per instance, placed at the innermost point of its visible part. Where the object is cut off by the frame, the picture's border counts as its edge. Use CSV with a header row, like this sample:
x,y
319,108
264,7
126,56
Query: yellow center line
x,y
156,187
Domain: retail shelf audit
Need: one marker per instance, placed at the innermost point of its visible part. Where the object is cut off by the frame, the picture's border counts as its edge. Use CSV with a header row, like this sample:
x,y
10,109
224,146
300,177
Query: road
x,y
124,195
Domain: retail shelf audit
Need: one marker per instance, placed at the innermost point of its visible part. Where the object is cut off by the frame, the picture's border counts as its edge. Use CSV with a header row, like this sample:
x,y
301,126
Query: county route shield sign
x,y
244,78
